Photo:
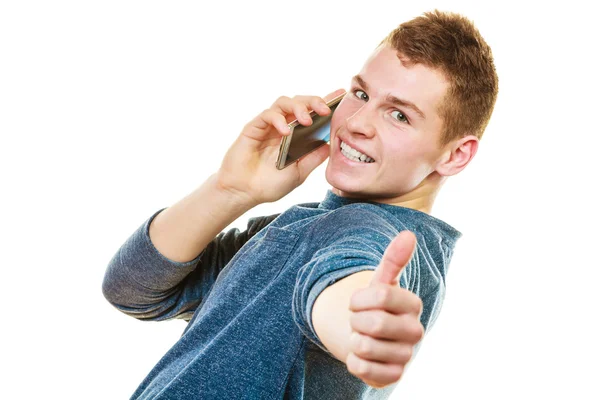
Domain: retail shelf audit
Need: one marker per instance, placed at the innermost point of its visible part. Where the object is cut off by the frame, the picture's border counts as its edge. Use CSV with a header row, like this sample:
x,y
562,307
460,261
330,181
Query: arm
x,y
149,279
164,269
331,313
376,323
183,230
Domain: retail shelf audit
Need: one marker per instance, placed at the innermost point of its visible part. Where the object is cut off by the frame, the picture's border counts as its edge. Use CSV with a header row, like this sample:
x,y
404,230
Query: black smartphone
x,y
304,139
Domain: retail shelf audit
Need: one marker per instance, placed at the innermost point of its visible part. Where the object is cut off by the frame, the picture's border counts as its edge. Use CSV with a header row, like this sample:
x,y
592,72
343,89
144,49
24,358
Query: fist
x,y
385,319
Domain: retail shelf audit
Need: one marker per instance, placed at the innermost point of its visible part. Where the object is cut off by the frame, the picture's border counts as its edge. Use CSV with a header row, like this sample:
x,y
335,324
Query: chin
x,y
351,187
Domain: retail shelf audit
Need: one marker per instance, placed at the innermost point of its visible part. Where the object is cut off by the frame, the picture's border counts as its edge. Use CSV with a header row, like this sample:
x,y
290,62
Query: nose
x,y
361,122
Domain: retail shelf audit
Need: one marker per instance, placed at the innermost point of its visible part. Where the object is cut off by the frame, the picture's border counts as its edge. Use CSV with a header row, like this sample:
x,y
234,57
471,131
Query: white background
x,y
110,110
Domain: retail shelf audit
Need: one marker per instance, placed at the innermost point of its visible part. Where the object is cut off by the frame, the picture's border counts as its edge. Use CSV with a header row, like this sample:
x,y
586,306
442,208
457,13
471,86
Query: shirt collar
x,y
333,201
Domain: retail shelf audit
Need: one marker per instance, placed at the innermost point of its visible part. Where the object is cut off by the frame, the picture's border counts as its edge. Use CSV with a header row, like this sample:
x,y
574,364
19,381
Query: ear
x,y
458,155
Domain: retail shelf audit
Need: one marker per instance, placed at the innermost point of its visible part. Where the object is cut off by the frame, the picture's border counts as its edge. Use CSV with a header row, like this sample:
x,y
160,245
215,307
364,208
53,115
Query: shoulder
x,y
358,219
256,224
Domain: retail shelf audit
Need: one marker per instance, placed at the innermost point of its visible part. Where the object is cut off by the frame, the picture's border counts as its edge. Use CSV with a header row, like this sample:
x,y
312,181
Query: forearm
x,y
331,313
143,279
183,230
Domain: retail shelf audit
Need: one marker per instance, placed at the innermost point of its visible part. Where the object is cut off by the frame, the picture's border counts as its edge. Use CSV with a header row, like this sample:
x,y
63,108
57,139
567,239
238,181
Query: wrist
x,y
230,195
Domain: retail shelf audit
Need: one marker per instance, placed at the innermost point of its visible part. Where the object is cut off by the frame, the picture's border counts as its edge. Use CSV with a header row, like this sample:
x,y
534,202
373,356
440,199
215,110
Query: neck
x,y
420,198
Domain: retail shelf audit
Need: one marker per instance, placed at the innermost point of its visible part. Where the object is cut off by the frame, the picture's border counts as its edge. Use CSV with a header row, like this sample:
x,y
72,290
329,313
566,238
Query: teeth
x,y
354,154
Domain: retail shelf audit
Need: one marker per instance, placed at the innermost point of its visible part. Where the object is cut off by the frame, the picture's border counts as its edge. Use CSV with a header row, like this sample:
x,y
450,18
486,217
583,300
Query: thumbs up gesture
x,y
385,319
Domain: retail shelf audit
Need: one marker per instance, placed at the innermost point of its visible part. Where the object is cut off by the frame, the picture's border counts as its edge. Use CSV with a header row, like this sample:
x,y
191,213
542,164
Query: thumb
x,y
395,258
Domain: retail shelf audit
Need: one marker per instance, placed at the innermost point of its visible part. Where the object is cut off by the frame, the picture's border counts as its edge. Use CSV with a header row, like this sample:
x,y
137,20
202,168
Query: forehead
x,y
421,85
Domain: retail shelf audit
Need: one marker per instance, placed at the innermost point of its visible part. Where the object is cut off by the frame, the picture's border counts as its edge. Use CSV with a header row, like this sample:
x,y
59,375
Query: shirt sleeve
x,y
142,283
359,250
354,239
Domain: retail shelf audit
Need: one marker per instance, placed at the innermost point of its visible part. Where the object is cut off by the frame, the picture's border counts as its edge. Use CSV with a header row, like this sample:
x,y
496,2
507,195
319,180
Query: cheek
x,y
335,125
343,111
337,120
405,152
401,148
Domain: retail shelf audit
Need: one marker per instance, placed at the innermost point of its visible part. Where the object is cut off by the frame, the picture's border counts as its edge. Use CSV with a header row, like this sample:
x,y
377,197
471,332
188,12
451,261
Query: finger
x,y
313,104
396,256
334,94
270,118
386,351
379,374
393,299
293,109
319,105
300,107
382,325
312,160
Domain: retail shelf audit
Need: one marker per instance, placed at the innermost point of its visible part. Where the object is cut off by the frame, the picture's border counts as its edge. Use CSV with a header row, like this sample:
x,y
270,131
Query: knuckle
x,y
405,354
267,112
398,374
377,325
300,107
298,101
355,300
358,367
302,98
419,332
420,306
282,99
365,346
413,329
382,295
354,320
316,100
363,368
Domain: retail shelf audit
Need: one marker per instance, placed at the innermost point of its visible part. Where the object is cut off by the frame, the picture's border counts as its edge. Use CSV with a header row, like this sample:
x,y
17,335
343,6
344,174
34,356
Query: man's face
x,y
402,144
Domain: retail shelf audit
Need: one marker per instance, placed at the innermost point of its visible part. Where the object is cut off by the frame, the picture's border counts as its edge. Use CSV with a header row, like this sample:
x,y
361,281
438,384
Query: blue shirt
x,y
248,298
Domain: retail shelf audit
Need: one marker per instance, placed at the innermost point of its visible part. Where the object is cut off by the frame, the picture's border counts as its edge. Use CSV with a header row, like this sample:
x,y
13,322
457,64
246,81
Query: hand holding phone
x,y
247,168
304,139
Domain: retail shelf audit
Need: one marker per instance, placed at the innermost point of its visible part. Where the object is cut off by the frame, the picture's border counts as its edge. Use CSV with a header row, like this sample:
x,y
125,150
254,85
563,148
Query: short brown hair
x,y
450,43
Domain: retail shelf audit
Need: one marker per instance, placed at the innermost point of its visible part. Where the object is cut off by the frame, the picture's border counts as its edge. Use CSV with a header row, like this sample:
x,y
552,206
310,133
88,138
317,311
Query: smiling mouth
x,y
353,154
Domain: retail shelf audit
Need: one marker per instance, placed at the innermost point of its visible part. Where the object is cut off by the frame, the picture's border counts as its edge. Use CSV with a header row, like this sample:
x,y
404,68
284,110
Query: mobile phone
x,y
304,139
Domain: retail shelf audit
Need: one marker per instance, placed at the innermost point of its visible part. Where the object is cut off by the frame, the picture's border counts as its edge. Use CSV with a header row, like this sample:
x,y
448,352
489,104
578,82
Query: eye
x,y
362,96
402,117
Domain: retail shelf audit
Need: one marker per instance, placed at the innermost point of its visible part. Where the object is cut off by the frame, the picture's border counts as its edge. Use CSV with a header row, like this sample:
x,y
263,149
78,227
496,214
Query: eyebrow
x,y
391,98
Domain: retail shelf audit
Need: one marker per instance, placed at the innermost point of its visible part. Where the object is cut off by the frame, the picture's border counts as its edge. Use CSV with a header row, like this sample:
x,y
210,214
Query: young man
x,y
325,300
